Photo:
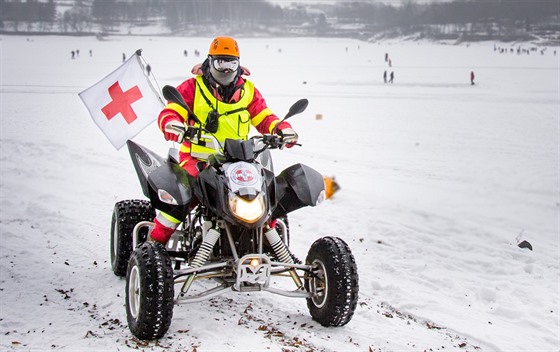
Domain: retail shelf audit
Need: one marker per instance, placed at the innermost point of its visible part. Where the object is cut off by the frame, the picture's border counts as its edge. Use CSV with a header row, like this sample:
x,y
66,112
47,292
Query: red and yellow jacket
x,y
247,107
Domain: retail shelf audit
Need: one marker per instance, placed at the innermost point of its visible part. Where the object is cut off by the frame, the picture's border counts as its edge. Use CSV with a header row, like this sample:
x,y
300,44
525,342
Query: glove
x,y
289,136
174,131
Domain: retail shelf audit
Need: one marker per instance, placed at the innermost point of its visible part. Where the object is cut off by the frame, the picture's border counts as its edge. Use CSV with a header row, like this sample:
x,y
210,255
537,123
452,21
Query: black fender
x,y
145,161
296,187
178,183
155,173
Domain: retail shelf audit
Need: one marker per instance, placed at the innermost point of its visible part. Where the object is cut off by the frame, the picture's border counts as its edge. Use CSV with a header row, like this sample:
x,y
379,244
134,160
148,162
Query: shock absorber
x,y
278,246
282,253
206,248
201,257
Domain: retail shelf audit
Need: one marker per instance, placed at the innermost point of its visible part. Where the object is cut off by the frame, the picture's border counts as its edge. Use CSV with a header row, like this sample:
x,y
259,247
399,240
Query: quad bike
x,y
234,233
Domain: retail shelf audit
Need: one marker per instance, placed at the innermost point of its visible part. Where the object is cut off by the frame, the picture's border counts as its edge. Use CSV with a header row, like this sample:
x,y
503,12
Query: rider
x,y
226,104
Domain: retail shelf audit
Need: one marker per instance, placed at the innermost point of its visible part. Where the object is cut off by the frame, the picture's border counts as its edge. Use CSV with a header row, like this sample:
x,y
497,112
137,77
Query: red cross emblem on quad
x,y
122,102
244,176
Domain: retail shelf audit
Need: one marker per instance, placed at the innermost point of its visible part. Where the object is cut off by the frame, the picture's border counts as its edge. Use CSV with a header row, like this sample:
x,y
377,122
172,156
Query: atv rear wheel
x,y
126,215
149,291
333,282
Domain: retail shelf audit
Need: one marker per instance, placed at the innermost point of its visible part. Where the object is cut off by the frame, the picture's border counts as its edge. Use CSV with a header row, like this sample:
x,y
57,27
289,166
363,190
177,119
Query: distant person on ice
x,y
391,77
226,103
385,76
472,78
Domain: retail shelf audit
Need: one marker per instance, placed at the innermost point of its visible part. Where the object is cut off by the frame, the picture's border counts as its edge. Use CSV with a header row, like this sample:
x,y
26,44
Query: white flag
x,y
123,103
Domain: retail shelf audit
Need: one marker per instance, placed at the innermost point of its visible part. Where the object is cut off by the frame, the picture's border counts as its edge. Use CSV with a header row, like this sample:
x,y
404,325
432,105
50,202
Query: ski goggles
x,y
225,64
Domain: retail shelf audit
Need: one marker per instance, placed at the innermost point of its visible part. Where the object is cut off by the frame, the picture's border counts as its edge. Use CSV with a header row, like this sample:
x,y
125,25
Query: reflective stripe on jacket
x,y
250,105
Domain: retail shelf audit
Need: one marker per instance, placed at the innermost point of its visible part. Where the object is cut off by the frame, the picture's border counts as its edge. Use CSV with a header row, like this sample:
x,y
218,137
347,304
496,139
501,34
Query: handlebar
x,y
270,141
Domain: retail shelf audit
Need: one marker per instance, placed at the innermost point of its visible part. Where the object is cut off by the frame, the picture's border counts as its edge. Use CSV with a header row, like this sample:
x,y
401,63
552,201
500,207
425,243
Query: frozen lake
x,y
439,181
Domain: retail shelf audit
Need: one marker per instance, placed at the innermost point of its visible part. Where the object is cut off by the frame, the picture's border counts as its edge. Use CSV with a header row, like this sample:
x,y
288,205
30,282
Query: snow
x,y
439,180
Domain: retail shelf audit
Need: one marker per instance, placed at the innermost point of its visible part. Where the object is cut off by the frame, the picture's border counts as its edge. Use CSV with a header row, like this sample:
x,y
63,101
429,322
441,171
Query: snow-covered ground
x,y
439,182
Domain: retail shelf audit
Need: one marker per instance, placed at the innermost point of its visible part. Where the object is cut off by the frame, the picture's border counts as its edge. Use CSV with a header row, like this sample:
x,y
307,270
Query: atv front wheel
x,y
149,291
126,215
333,282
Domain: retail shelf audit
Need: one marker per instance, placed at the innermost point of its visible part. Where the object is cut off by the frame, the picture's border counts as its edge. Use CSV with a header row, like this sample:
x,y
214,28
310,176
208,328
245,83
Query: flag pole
x,y
144,63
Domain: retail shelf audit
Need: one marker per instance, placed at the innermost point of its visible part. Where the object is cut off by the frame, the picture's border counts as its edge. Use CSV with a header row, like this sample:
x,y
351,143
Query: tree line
x,y
82,15
460,11
504,19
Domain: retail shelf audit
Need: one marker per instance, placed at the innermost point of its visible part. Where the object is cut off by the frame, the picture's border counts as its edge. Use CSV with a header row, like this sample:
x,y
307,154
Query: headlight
x,y
249,211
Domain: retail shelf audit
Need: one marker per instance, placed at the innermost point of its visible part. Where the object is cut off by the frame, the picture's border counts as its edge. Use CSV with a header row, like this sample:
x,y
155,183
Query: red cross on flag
x,y
123,103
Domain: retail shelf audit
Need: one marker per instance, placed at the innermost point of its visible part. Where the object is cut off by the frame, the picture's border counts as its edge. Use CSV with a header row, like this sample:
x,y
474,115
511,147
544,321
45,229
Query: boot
x,y
160,233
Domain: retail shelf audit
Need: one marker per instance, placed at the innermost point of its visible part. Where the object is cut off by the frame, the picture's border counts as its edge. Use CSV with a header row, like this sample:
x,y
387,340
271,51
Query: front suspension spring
x,y
206,248
278,246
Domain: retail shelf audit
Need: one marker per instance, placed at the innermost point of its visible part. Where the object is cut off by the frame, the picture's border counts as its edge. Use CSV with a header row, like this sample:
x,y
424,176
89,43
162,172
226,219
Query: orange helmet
x,y
224,46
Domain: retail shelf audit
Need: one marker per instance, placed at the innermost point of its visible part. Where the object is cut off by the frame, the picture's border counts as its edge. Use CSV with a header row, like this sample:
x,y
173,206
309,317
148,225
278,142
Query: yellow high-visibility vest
x,y
234,120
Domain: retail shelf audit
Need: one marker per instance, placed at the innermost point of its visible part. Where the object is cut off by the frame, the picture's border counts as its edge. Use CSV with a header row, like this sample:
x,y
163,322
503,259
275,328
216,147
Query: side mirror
x,y
172,94
298,107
